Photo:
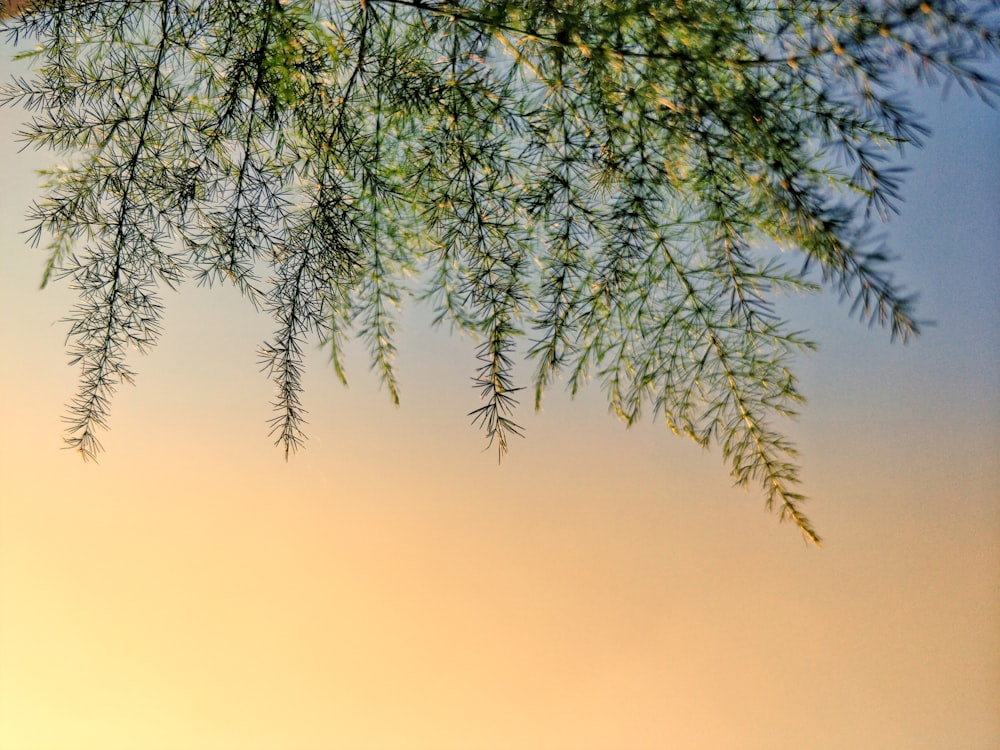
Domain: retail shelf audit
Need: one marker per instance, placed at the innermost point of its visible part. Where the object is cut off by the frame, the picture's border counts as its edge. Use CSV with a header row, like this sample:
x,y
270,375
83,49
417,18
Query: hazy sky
x,y
393,588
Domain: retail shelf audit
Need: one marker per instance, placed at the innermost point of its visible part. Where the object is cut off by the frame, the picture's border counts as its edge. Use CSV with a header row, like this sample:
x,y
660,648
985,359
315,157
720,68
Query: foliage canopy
x,y
604,181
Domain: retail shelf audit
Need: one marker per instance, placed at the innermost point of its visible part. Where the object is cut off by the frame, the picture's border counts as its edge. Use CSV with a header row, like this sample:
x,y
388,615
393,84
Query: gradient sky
x,y
393,588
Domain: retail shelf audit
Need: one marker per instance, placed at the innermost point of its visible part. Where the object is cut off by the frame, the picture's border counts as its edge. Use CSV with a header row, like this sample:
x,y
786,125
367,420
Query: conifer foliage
x,y
600,186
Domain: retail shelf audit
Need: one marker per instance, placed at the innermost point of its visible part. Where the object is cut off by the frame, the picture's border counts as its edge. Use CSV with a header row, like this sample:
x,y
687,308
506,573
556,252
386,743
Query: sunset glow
x,y
391,587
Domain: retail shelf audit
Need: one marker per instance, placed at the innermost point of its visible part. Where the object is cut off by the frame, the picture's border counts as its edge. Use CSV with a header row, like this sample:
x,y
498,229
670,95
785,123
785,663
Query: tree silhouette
x,y
608,183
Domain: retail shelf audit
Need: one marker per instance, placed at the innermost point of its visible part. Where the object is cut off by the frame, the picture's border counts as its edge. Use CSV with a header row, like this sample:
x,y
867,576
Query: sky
x,y
391,587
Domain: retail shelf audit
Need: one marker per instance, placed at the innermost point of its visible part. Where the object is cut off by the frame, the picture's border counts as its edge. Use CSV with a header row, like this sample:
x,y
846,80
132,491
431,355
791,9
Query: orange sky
x,y
391,587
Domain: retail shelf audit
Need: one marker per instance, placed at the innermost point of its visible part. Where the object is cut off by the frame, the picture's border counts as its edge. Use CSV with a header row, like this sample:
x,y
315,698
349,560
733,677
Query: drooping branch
x,y
599,186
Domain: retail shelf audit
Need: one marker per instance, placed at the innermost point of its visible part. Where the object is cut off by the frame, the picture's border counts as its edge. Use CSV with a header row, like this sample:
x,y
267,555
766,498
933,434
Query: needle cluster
x,y
602,186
